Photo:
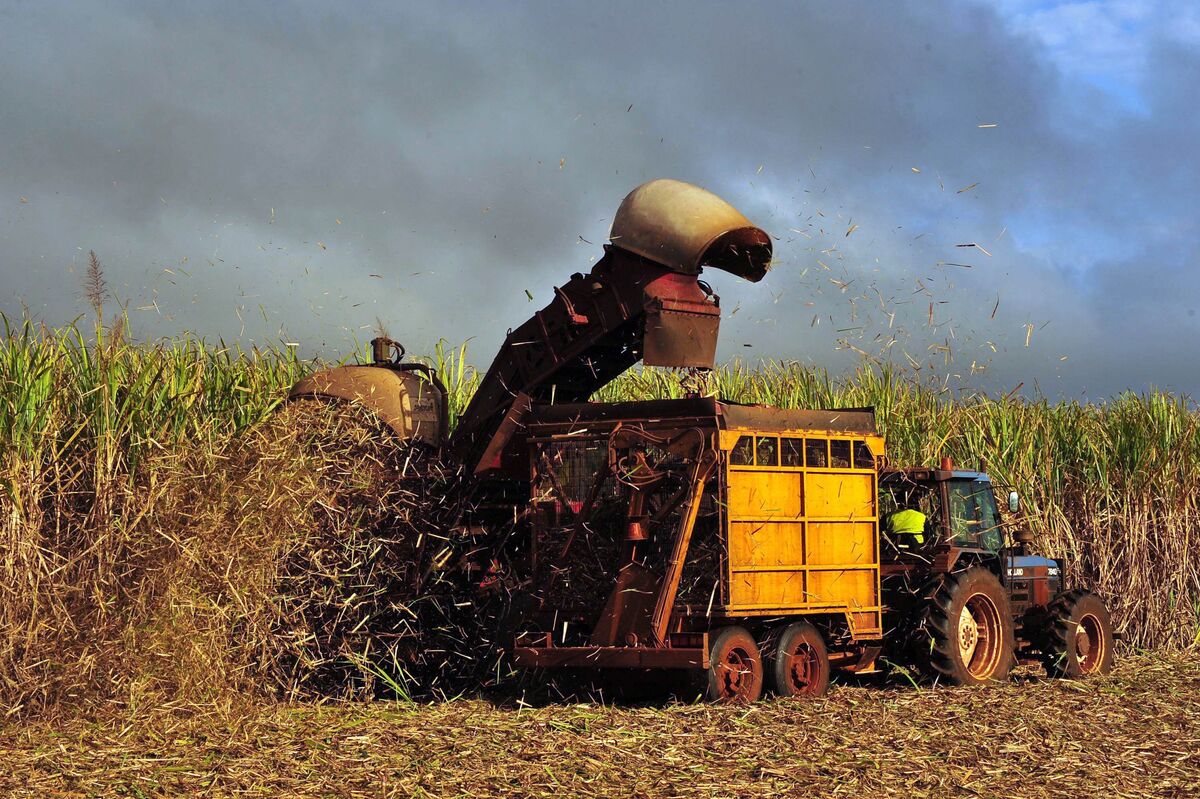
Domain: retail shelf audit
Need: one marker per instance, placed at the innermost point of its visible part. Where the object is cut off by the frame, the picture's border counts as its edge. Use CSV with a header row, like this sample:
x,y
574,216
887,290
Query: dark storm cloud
x,y
316,168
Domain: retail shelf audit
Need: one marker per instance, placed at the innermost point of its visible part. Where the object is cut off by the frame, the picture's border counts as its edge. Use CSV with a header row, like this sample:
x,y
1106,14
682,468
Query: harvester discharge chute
x,y
642,301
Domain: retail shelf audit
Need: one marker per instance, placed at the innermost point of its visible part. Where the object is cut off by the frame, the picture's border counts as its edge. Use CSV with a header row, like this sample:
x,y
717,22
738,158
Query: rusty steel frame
x,y
706,462
540,652
610,657
620,637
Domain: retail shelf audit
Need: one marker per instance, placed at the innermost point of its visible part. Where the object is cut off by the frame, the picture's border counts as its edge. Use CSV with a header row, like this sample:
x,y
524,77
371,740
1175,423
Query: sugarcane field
x,y
671,400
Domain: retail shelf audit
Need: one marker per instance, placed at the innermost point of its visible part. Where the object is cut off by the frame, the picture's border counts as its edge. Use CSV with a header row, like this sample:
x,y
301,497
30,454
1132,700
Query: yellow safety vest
x,y
908,522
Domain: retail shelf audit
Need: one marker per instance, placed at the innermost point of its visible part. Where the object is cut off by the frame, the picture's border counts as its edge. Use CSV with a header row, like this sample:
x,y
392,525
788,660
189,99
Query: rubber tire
x,y
940,623
717,689
788,639
1059,653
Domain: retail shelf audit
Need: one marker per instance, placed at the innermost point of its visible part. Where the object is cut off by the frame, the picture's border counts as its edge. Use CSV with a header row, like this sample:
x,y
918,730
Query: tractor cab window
x,y
992,533
974,520
899,494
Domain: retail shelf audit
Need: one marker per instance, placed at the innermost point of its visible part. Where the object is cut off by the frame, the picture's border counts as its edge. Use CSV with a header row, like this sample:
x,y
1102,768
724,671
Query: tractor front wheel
x,y
969,629
1078,637
735,675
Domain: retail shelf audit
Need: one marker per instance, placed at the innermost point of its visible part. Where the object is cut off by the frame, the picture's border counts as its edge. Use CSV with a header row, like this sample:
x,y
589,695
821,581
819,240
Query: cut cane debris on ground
x,y
1134,733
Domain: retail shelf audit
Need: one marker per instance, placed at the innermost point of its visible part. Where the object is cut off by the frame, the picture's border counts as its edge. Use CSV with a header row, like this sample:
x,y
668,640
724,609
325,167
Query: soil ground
x,y
1135,733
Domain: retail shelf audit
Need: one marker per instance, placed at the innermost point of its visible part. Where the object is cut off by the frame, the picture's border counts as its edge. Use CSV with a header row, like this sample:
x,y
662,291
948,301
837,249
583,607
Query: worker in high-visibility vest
x,y
907,525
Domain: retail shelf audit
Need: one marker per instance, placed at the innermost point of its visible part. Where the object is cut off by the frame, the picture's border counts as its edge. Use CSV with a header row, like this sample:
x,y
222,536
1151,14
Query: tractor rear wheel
x,y
970,629
798,661
735,675
1078,636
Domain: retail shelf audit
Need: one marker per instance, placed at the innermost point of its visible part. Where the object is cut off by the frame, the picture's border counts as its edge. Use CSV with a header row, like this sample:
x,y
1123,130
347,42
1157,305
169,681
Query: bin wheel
x,y
799,661
735,673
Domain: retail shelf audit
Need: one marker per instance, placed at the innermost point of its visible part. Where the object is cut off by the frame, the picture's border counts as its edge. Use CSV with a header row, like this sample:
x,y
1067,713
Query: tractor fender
x,y
406,399
685,227
960,560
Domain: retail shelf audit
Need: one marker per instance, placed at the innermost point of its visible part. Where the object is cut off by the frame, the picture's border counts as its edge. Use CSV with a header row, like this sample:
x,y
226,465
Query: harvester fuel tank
x,y
408,397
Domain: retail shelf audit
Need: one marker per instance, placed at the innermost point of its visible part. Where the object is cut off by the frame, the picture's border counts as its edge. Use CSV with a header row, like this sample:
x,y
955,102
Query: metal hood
x,y
685,227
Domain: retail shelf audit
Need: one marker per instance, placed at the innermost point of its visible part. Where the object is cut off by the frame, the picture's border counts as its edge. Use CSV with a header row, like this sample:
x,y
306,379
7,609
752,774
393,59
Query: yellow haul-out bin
x,y
695,534
802,527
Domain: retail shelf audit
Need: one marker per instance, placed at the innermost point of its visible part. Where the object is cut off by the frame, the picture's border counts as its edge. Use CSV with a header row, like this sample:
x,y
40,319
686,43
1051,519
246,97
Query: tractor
x,y
967,594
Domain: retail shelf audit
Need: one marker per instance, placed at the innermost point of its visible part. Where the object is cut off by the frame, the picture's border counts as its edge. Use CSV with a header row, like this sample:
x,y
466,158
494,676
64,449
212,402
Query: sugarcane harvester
x,y
740,542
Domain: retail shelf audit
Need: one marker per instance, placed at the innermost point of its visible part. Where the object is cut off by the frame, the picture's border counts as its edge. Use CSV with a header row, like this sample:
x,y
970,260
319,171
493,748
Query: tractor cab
x,y
955,510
